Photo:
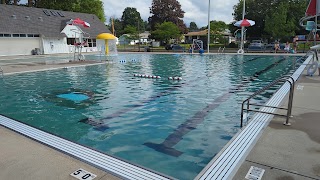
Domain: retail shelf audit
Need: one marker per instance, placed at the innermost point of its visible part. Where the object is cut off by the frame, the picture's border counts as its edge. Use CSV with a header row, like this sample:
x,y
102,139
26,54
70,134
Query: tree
x,y
277,24
167,11
132,32
11,2
216,28
119,30
131,17
260,10
166,31
193,26
84,6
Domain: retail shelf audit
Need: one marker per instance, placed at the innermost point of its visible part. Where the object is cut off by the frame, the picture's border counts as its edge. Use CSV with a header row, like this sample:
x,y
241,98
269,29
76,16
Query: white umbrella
x,y
244,23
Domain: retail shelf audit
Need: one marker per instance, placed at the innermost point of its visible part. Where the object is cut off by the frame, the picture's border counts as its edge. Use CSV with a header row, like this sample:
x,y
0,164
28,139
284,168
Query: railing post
x,y
241,121
289,111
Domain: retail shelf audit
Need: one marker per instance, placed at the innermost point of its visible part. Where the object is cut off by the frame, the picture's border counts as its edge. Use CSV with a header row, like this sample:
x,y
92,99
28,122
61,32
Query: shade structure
x,y
245,23
313,8
106,36
78,21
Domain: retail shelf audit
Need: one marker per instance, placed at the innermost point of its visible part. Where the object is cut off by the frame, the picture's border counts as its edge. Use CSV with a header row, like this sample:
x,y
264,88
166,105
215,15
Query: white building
x,y
26,31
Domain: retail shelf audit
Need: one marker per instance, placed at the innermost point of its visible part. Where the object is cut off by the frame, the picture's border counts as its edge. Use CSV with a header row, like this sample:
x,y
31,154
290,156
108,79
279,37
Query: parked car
x,y
174,47
270,47
256,45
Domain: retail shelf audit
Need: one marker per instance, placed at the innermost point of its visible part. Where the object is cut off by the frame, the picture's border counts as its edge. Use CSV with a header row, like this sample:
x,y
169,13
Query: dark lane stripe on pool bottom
x,y
174,138
153,98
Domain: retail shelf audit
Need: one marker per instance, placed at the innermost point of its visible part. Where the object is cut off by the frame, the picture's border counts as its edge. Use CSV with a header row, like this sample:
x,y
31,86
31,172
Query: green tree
x,y
277,24
193,26
166,31
216,28
131,17
167,11
260,10
132,32
118,27
11,2
83,6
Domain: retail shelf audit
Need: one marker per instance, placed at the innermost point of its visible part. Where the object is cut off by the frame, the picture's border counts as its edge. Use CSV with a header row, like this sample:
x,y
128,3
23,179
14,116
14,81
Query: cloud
x,y
195,10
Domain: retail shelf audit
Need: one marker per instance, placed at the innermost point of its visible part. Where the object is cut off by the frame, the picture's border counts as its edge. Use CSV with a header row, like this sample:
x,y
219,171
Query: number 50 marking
x,y
83,174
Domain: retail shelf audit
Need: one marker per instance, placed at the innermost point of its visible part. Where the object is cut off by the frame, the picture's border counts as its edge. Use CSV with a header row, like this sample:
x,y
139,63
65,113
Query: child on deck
x,y
287,47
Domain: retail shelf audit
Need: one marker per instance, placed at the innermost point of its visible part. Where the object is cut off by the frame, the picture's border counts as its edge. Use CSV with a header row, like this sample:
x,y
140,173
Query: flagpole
x,y
242,28
209,27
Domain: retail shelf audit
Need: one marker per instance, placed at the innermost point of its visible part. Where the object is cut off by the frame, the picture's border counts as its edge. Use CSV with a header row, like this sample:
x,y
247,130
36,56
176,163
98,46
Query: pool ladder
x,y
1,70
278,81
222,50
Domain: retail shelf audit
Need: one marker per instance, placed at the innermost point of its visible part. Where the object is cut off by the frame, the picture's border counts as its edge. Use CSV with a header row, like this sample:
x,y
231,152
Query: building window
x,y
92,43
71,41
36,35
23,35
6,35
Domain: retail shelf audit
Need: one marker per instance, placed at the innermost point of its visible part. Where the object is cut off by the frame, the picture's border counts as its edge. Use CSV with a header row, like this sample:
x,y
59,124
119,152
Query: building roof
x,y
205,33
198,33
29,20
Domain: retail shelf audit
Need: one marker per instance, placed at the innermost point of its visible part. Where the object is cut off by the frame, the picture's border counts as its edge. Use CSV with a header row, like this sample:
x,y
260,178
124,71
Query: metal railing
x,y
222,50
282,80
1,70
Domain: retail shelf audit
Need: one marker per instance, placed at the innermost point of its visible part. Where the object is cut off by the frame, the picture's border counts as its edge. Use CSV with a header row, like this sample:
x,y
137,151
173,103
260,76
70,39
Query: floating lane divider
x,y
175,78
147,76
160,94
124,61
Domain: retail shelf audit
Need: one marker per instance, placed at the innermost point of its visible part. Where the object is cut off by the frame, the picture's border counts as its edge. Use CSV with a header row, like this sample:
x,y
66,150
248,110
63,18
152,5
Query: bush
x,y
232,45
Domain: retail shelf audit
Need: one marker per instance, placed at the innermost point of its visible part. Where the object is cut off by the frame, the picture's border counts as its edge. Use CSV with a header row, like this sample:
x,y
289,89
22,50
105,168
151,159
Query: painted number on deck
x,y
83,175
299,87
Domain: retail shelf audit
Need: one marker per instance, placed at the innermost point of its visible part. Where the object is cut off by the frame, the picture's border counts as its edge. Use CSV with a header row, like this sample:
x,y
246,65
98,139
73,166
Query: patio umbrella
x,y
244,23
78,21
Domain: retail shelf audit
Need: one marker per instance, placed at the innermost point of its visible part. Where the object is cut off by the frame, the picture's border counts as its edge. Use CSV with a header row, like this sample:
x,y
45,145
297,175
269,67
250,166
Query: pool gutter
x,y
225,164
113,165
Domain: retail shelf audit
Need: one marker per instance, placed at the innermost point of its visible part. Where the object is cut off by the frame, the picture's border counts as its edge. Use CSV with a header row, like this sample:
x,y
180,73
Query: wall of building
x,y
18,46
55,45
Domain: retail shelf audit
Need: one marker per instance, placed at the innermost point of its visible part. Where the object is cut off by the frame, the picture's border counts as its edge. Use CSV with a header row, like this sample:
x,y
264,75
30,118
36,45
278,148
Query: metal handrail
x,y
1,70
282,79
222,52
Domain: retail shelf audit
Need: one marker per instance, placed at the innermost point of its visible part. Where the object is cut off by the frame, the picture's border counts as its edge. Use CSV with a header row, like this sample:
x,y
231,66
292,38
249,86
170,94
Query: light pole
x,y
209,27
242,28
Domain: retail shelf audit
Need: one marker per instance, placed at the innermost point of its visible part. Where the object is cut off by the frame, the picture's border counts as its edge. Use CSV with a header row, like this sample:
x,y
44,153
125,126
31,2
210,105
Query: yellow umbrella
x,y
106,37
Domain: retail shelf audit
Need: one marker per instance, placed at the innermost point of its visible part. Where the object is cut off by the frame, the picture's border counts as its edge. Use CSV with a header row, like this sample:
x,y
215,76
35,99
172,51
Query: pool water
x,y
172,126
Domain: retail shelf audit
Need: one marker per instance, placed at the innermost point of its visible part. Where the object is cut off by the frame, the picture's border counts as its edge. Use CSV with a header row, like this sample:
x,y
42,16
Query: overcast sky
x,y
195,10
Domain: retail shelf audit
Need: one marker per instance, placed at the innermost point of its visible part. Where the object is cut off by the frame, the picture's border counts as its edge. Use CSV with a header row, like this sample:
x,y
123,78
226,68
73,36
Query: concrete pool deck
x,y
284,152
291,152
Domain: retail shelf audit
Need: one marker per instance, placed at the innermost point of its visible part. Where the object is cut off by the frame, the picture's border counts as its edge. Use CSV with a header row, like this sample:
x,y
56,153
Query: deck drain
x,y
255,173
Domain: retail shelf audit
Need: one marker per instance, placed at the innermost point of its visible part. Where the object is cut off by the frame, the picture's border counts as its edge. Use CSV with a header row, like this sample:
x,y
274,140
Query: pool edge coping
x,y
259,120
33,134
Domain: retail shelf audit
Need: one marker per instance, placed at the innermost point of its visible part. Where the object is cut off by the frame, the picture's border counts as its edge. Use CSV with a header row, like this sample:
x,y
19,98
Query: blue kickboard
x,y
74,97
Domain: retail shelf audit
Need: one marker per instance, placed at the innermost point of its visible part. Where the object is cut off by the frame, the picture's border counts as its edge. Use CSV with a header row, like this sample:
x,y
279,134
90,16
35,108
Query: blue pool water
x,y
174,127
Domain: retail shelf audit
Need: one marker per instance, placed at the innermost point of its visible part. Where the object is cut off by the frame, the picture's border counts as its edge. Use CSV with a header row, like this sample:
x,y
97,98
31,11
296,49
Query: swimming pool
x,y
174,127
